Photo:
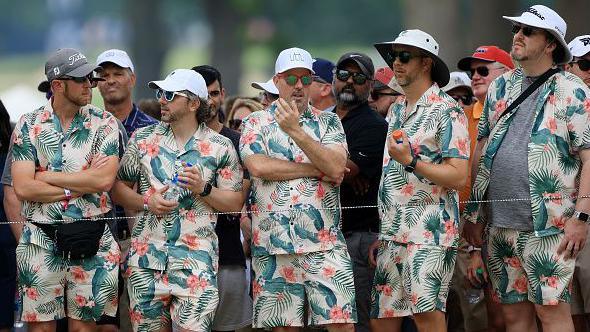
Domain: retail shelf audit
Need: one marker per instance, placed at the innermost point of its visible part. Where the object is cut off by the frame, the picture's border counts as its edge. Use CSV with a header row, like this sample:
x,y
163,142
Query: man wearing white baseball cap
x,y
269,92
296,156
580,64
425,160
183,172
534,143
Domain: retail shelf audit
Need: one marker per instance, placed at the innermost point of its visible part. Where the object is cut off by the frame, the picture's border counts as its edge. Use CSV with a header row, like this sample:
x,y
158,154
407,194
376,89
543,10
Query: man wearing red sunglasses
x,y
580,66
538,154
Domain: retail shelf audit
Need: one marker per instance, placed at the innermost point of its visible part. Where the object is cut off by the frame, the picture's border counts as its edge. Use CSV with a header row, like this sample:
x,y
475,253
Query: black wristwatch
x,y
206,190
581,216
411,167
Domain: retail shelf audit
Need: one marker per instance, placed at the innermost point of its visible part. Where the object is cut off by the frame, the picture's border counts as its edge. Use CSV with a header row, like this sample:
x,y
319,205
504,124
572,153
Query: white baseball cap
x,y
183,79
423,41
543,17
268,86
458,79
293,58
118,57
579,46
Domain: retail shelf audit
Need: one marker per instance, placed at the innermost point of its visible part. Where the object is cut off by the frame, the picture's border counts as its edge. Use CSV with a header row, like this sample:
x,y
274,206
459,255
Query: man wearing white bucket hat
x,y
184,173
534,139
424,164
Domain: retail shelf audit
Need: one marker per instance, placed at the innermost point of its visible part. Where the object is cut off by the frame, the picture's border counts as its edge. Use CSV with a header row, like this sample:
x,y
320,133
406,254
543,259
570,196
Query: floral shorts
x,y
90,284
411,278
524,266
282,282
187,297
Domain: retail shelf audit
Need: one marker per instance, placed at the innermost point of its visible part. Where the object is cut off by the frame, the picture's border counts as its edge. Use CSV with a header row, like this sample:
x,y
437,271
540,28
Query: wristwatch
x,y
581,216
206,190
412,165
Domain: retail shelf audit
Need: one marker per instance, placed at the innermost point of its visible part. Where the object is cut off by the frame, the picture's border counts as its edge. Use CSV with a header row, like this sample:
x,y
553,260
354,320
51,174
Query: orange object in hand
x,y
398,136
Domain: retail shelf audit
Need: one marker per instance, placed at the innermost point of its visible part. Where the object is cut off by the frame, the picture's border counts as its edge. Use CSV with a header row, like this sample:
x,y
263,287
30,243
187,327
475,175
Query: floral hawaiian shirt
x,y
561,129
184,238
304,213
40,138
412,208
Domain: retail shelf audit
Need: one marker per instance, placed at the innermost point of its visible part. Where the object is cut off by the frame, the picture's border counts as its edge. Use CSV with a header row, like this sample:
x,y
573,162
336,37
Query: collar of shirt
x,y
137,119
477,110
360,109
170,143
429,97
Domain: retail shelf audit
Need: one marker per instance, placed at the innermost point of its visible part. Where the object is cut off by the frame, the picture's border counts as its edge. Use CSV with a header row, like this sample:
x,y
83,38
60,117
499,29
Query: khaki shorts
x,y
187,298
475,316
411,278
283,281
581,282
525,267
90,285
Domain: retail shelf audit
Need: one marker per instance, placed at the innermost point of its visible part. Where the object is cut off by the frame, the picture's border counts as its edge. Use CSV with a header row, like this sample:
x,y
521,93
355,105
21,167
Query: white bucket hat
x,y
423,41
183,79
268,86
580,46
543,17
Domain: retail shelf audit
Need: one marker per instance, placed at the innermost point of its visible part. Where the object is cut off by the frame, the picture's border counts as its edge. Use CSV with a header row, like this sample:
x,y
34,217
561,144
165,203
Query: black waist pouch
x,y
77,240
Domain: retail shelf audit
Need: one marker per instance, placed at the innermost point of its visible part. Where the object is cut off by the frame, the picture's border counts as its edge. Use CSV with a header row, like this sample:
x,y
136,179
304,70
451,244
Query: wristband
x,y
146,198
68,194
471,249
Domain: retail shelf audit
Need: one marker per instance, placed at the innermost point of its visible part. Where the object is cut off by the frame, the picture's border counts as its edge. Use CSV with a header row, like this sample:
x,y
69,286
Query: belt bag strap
x,y
524,95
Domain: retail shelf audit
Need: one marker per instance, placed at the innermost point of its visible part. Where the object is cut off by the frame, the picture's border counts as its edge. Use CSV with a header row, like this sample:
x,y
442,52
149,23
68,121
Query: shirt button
x,y
290,205
64,145
292,223
63,161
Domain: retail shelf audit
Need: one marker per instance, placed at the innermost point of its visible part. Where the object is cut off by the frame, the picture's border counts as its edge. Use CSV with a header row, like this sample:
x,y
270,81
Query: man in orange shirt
x,y
484,66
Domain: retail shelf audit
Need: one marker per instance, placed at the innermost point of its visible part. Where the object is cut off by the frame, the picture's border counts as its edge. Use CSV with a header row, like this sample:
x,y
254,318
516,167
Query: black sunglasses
x,y
403,56
375,95
358,78
583,64
466,100
483,71
81,80
526,30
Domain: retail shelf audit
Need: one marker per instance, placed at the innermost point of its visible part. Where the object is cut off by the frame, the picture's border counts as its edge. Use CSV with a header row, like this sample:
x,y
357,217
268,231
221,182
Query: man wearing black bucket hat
x,y
424,164
533,134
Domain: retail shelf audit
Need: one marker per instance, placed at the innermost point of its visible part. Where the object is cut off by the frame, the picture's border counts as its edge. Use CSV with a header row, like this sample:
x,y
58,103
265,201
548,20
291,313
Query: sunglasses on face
x,y
358,78
403,56
526,30
483,71
169,95
81,80
375,95
583,64
292,79
466,100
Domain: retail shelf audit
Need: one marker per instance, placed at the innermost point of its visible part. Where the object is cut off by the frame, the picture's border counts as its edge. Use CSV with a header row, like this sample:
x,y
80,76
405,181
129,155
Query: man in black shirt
x,y
365,134
235,305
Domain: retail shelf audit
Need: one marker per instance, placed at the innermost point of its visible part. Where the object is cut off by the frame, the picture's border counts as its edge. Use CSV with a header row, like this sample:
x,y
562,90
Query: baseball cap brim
x,y
440,71
465,63
267,86
166,85
84,70
524,20
44,86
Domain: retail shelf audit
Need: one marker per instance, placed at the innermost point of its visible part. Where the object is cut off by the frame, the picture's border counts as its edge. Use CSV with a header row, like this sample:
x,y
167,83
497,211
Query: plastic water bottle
x,y
474,294
173,192
18,323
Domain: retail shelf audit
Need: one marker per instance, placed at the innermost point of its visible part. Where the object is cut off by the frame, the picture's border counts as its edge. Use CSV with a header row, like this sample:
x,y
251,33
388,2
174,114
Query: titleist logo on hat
x,y
536,13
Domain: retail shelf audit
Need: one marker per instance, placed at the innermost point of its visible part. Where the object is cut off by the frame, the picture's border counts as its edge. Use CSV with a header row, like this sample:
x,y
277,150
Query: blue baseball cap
x,y
324,70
